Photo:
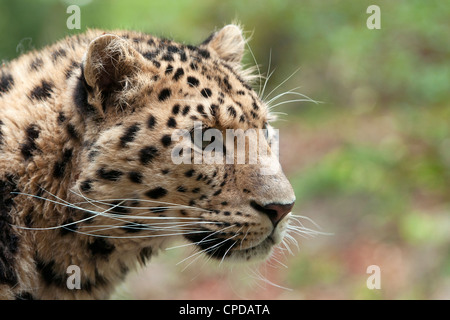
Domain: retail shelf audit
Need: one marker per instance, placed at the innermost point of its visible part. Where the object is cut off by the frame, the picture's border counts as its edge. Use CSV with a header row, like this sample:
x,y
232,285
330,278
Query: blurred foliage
x,y
382,184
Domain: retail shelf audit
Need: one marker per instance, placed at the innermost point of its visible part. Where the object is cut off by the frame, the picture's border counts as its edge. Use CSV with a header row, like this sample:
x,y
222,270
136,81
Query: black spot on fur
x,y
147,154
129,135
189,173
196,190
217,192
111,175
48,274
206,92
201,110
171,123
135,177
227,84
92,154
193,66
101,248
166,140
255,106
145,254
72,132
203,53
164,94
61,117
9,241
214,108
183,56
178,74
151,122
192,81
150,55
36,64
58,54
60,166
71,68
186,110
167,57
86,185
156,193
232,111
169,70
42,91
172,49
6,83
181,189
27,148
175,109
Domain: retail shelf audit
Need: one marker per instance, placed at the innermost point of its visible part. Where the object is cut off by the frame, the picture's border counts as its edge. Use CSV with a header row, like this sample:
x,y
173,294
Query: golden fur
x,y
85,122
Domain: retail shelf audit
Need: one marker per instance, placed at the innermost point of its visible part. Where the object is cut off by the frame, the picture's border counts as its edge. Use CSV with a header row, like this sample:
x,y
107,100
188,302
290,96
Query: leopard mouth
x,y
230,249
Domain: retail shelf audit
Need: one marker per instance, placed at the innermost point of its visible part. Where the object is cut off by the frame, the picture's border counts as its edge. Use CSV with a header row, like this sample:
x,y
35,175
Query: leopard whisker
x,y
269,74
289,101
279,85
226,252
208,249
259,276
141,200
138,236
95,213
256,64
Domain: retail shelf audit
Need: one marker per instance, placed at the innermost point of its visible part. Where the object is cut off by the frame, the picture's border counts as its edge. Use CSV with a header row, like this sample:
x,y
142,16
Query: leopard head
x,y
145,99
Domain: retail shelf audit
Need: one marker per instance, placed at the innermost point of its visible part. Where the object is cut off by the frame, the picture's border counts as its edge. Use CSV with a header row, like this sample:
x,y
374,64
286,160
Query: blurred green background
x,y
370,163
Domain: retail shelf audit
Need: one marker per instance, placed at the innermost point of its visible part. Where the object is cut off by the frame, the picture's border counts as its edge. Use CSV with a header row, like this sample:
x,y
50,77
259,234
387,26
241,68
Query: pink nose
x,y
275,211
278,211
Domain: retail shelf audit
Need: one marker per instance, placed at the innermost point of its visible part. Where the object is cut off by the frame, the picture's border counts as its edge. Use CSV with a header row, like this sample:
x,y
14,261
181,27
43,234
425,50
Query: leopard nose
x,y
275,211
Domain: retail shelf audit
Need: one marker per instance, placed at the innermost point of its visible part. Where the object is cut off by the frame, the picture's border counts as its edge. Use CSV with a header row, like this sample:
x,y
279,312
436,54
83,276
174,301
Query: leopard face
x,y
90,131
137,96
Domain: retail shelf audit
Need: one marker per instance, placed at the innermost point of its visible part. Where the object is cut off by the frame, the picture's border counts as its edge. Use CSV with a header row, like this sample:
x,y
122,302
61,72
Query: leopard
x,y
87,177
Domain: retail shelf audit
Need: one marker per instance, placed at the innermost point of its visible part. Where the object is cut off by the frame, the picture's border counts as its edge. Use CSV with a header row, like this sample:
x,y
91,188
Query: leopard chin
x,y
231,250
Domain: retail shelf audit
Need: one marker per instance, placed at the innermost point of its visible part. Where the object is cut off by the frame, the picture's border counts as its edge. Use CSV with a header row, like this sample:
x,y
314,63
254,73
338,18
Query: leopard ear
x,y
228,43
108,62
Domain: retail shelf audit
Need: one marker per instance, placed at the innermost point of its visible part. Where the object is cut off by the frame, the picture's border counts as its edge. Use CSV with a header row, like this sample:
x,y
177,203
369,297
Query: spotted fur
x,y
85,142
